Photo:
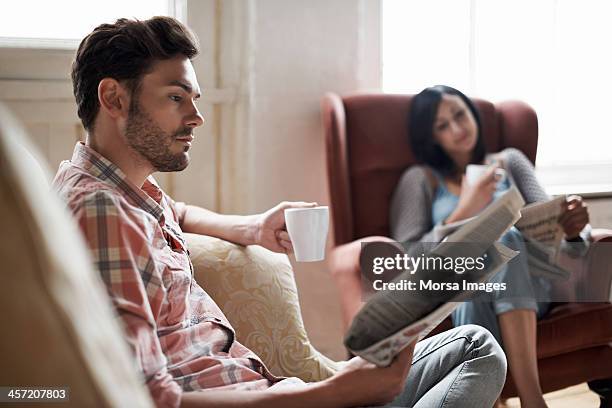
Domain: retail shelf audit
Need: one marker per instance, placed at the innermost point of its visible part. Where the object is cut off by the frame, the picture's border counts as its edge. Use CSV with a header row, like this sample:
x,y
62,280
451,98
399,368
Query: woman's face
x,y
455,128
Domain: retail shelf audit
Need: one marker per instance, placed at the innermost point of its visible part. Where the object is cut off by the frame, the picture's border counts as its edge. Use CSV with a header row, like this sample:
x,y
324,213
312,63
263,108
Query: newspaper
x,y
392,319
539,222
504,206
388,322
542,232
442,231
540,227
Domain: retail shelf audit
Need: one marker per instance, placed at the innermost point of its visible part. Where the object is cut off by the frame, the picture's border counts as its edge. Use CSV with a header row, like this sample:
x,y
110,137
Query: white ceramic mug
x,y
475,171
307,229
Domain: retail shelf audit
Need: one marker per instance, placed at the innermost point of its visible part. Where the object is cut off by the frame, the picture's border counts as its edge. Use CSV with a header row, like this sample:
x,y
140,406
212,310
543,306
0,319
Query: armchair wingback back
x,y
368,150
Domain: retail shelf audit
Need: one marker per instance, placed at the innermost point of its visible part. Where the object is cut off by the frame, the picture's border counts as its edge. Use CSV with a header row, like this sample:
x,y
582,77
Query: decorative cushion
x,y
256,290
59,329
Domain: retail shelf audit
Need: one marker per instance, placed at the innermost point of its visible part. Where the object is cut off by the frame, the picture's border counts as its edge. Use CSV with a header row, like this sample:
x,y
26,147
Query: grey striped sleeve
x,y
522,173
410,212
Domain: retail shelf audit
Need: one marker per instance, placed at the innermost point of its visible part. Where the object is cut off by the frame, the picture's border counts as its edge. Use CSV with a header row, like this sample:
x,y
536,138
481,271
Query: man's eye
x,y
176,98
460,114
441,127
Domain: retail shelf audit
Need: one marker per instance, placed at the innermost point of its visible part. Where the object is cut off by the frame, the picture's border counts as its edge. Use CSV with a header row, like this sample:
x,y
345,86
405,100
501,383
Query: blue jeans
x,y
462,367
523,291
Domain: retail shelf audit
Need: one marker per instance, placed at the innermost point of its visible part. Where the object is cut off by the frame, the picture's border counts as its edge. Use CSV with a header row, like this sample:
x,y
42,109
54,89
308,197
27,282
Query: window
x,y
62,23
551,54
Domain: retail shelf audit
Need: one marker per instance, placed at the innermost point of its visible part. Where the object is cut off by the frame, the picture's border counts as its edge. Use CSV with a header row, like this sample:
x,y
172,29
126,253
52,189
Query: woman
x,y
445,135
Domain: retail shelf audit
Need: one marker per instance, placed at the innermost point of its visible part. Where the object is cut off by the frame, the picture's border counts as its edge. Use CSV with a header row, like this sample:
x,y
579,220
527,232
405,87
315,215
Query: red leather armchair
x,y
367,151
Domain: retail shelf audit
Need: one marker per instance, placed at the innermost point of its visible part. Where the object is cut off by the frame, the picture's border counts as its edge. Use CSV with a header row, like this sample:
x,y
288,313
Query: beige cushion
x,y
256,290
58,328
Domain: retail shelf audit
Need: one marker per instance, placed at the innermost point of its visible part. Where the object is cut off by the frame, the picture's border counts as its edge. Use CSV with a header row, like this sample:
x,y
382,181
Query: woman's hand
x,y
574,216
476,196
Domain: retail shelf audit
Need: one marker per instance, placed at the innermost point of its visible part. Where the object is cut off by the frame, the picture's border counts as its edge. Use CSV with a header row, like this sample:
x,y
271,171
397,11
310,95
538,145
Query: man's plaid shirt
x,y
179,337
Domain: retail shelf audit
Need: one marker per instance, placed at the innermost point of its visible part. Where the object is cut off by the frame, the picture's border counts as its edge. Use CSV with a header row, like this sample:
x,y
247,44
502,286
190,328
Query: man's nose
x,y
196,119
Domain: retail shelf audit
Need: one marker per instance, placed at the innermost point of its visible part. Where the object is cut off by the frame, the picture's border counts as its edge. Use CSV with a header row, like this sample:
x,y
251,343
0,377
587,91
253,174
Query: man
x,y
136,92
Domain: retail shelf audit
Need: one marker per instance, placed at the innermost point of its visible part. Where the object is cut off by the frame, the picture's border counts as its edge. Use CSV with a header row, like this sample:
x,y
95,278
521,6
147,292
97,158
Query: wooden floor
x,y
578,396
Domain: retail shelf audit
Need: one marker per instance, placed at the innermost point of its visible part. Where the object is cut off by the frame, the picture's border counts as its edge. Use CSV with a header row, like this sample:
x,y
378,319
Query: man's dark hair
x,y
423,111
125,51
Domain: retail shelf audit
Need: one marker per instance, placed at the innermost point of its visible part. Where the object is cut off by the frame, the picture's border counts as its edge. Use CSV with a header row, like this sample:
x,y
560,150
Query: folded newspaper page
x,y
541,229
392,319
504,207
539,222
442,231
486,227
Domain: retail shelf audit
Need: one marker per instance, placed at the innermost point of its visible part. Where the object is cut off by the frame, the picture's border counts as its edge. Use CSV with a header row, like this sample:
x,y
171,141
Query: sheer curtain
x,y
553,54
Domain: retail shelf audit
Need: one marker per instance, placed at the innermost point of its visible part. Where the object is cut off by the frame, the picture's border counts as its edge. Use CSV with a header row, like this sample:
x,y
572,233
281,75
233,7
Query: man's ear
x,y
113,98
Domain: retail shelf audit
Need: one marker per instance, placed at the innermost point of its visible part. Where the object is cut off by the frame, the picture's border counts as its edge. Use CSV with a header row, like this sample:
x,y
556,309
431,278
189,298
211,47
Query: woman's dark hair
x,y
125,51
423,111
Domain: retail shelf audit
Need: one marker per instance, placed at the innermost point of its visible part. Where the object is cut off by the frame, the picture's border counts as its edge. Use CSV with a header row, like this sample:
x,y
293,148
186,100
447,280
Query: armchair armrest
x,y
599,264
591,275
601,235
345,269
344,264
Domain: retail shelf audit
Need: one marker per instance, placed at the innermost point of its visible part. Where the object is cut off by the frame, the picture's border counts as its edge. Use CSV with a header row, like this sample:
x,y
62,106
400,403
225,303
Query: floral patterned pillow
x,y
256,290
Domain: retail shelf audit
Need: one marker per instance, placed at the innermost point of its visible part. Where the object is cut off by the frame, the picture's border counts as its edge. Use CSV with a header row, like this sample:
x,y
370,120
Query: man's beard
x,y
152,143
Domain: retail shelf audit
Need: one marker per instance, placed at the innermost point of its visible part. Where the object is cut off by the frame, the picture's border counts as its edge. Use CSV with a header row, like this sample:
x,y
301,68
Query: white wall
x,y
279,58
301,51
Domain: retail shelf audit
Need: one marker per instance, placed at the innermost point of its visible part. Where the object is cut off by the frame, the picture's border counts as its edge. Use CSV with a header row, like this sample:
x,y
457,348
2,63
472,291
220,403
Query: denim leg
x,y
521,293
462,367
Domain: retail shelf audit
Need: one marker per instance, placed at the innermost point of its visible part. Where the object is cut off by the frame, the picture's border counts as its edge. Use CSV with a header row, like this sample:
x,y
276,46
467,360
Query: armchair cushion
x,y
256,290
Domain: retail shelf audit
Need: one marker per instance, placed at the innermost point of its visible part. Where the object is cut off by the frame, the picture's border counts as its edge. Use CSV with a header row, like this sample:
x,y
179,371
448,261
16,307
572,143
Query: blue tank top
x,y
445,202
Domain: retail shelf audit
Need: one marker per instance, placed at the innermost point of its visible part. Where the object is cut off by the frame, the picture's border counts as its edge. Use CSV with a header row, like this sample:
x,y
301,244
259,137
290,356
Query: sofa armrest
x,y
256,290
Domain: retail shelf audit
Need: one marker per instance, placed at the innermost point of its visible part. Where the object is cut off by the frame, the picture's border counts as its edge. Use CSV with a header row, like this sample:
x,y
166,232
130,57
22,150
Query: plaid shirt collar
x,y
148,197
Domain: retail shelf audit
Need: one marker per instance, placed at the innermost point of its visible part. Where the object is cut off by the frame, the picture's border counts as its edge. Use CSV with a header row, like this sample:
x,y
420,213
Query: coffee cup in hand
x,y
473,172
307,228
